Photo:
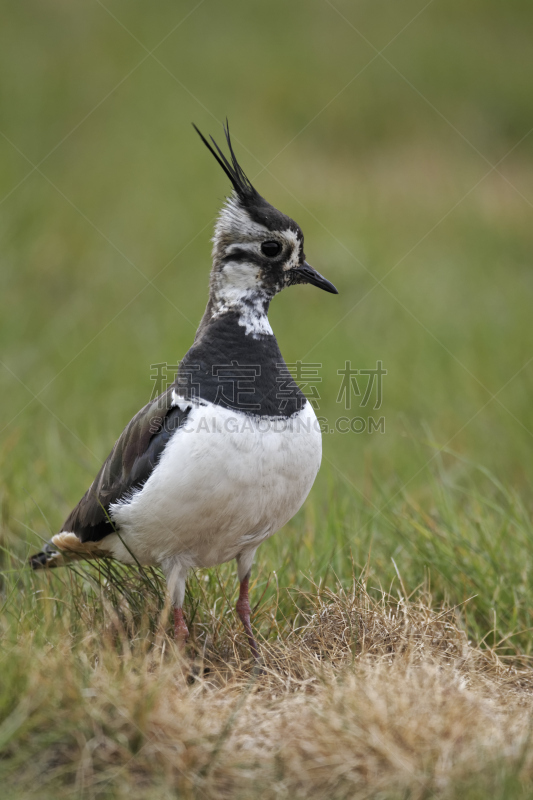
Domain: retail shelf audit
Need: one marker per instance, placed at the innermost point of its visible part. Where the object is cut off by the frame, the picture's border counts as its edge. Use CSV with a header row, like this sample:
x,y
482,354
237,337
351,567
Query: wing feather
x,y
128,466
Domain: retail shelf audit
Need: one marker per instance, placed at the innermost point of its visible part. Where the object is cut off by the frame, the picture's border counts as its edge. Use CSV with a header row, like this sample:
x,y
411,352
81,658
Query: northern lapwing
x,y
226,455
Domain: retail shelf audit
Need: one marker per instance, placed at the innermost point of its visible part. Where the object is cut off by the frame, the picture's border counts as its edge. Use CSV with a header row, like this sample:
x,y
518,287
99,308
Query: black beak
x,y
307,274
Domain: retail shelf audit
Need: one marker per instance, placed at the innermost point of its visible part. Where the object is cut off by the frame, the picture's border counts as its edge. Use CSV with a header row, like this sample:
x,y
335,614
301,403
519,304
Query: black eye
x,y
271,249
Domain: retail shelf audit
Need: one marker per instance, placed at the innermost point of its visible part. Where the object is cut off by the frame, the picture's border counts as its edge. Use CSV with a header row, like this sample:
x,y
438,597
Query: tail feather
x,y
49,557
62,548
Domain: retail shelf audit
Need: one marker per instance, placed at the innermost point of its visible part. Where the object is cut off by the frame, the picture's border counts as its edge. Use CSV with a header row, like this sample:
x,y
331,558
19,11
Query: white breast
x,y
225,482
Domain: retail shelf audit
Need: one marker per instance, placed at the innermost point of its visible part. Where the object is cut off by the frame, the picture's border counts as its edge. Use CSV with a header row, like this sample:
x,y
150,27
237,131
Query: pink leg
x,y
243,610
181,631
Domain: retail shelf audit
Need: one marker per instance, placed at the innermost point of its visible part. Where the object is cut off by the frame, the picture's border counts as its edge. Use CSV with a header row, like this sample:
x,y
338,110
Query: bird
x,y
228,453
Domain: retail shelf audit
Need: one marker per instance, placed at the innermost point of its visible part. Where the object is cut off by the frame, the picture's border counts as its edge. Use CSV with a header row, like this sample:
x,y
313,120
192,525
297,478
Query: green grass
x,y
410,174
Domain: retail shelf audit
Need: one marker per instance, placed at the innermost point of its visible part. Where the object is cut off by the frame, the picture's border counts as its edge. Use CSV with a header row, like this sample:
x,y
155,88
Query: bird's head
x,y
257,250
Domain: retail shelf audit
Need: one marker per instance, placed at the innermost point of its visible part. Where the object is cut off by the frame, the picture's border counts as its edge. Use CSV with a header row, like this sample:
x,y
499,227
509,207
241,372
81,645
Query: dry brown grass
x,y
359,698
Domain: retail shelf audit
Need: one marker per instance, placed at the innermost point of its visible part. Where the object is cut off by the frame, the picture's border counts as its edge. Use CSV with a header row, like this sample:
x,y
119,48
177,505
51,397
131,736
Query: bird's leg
x,y
243,610
176,573
181,631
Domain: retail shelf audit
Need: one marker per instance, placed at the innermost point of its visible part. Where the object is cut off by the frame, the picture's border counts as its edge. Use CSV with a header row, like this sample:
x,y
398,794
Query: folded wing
x,y
128,466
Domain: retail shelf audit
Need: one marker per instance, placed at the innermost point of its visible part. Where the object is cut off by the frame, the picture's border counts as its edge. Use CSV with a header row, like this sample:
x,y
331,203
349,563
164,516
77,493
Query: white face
x,y
244,277
237,234
234,223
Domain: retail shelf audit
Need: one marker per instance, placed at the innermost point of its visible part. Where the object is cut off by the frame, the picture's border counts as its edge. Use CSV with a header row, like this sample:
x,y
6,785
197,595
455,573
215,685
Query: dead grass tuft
x,y
359,697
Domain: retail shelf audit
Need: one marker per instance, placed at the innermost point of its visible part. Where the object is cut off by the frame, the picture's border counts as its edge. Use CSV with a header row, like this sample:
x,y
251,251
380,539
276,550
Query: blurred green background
x,y
396,133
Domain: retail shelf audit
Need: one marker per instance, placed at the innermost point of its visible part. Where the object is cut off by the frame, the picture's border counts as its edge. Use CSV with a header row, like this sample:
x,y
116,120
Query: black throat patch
x,y
227,367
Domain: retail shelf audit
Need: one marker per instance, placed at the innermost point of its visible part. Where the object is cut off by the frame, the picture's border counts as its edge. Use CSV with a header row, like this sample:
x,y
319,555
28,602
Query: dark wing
x,y
128,466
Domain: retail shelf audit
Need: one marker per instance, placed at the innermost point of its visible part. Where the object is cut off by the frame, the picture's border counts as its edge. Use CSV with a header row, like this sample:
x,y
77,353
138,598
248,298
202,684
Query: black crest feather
x,y
233,169
256,206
